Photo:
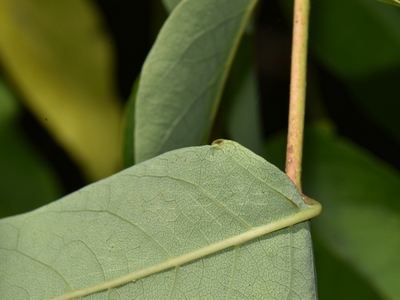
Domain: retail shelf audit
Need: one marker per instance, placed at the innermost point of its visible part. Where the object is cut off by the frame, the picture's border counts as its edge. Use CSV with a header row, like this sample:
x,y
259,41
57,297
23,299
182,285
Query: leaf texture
x,y
187,224
183,77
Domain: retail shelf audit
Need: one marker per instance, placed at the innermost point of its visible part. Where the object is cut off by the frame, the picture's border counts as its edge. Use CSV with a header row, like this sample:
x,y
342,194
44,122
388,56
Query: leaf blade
x,y
183,76
86,232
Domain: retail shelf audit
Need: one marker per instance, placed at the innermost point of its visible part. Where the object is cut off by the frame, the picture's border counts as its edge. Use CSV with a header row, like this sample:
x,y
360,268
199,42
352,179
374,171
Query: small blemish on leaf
x,y
218,143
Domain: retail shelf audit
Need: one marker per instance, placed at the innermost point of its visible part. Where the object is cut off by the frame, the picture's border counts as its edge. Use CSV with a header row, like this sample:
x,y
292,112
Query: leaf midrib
x,y
291,220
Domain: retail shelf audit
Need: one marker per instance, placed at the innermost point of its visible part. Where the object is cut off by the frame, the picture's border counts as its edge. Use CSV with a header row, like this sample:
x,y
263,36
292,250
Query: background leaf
x,y
26,180
129,124
348,49
60,58
360,217
183,76
241,101
393,2
361,52
170,4
158,211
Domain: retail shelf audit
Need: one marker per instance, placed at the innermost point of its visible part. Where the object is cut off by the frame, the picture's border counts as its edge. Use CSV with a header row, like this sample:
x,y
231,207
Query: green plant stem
x,y
294,149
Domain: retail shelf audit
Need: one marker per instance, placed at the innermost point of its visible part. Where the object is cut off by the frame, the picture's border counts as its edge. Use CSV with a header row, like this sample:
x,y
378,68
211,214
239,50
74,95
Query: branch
x,y
294,149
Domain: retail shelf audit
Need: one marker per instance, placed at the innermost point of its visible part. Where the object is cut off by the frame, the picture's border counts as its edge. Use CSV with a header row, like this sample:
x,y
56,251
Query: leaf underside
x,y
185,201
184,74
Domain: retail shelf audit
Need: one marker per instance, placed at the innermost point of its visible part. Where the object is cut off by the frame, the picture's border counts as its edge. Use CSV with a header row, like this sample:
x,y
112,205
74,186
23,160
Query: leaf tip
x,y
313,203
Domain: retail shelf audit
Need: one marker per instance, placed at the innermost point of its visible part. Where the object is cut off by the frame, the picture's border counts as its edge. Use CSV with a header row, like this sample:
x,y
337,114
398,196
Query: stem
x,y
294,149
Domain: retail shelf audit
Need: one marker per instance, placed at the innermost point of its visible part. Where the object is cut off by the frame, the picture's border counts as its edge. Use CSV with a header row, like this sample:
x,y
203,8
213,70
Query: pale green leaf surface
x,y
200,213
240,99
361,208
183,77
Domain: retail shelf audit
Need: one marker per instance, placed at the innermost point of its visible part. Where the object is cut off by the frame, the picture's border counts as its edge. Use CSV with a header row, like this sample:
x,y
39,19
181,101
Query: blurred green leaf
x,y
60,58
348,284
241,98
174,226
361,216
184,75
129,123
9,107
393,2
359,43
354,38
26,181
378,97
170,4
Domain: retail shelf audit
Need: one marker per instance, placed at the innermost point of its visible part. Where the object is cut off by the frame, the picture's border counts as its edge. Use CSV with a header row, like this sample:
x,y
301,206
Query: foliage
x,y
70,67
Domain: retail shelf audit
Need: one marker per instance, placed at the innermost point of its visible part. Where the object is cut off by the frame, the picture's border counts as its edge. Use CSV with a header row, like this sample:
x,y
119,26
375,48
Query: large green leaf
x,y
183,77
240,102
361,209
191,223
